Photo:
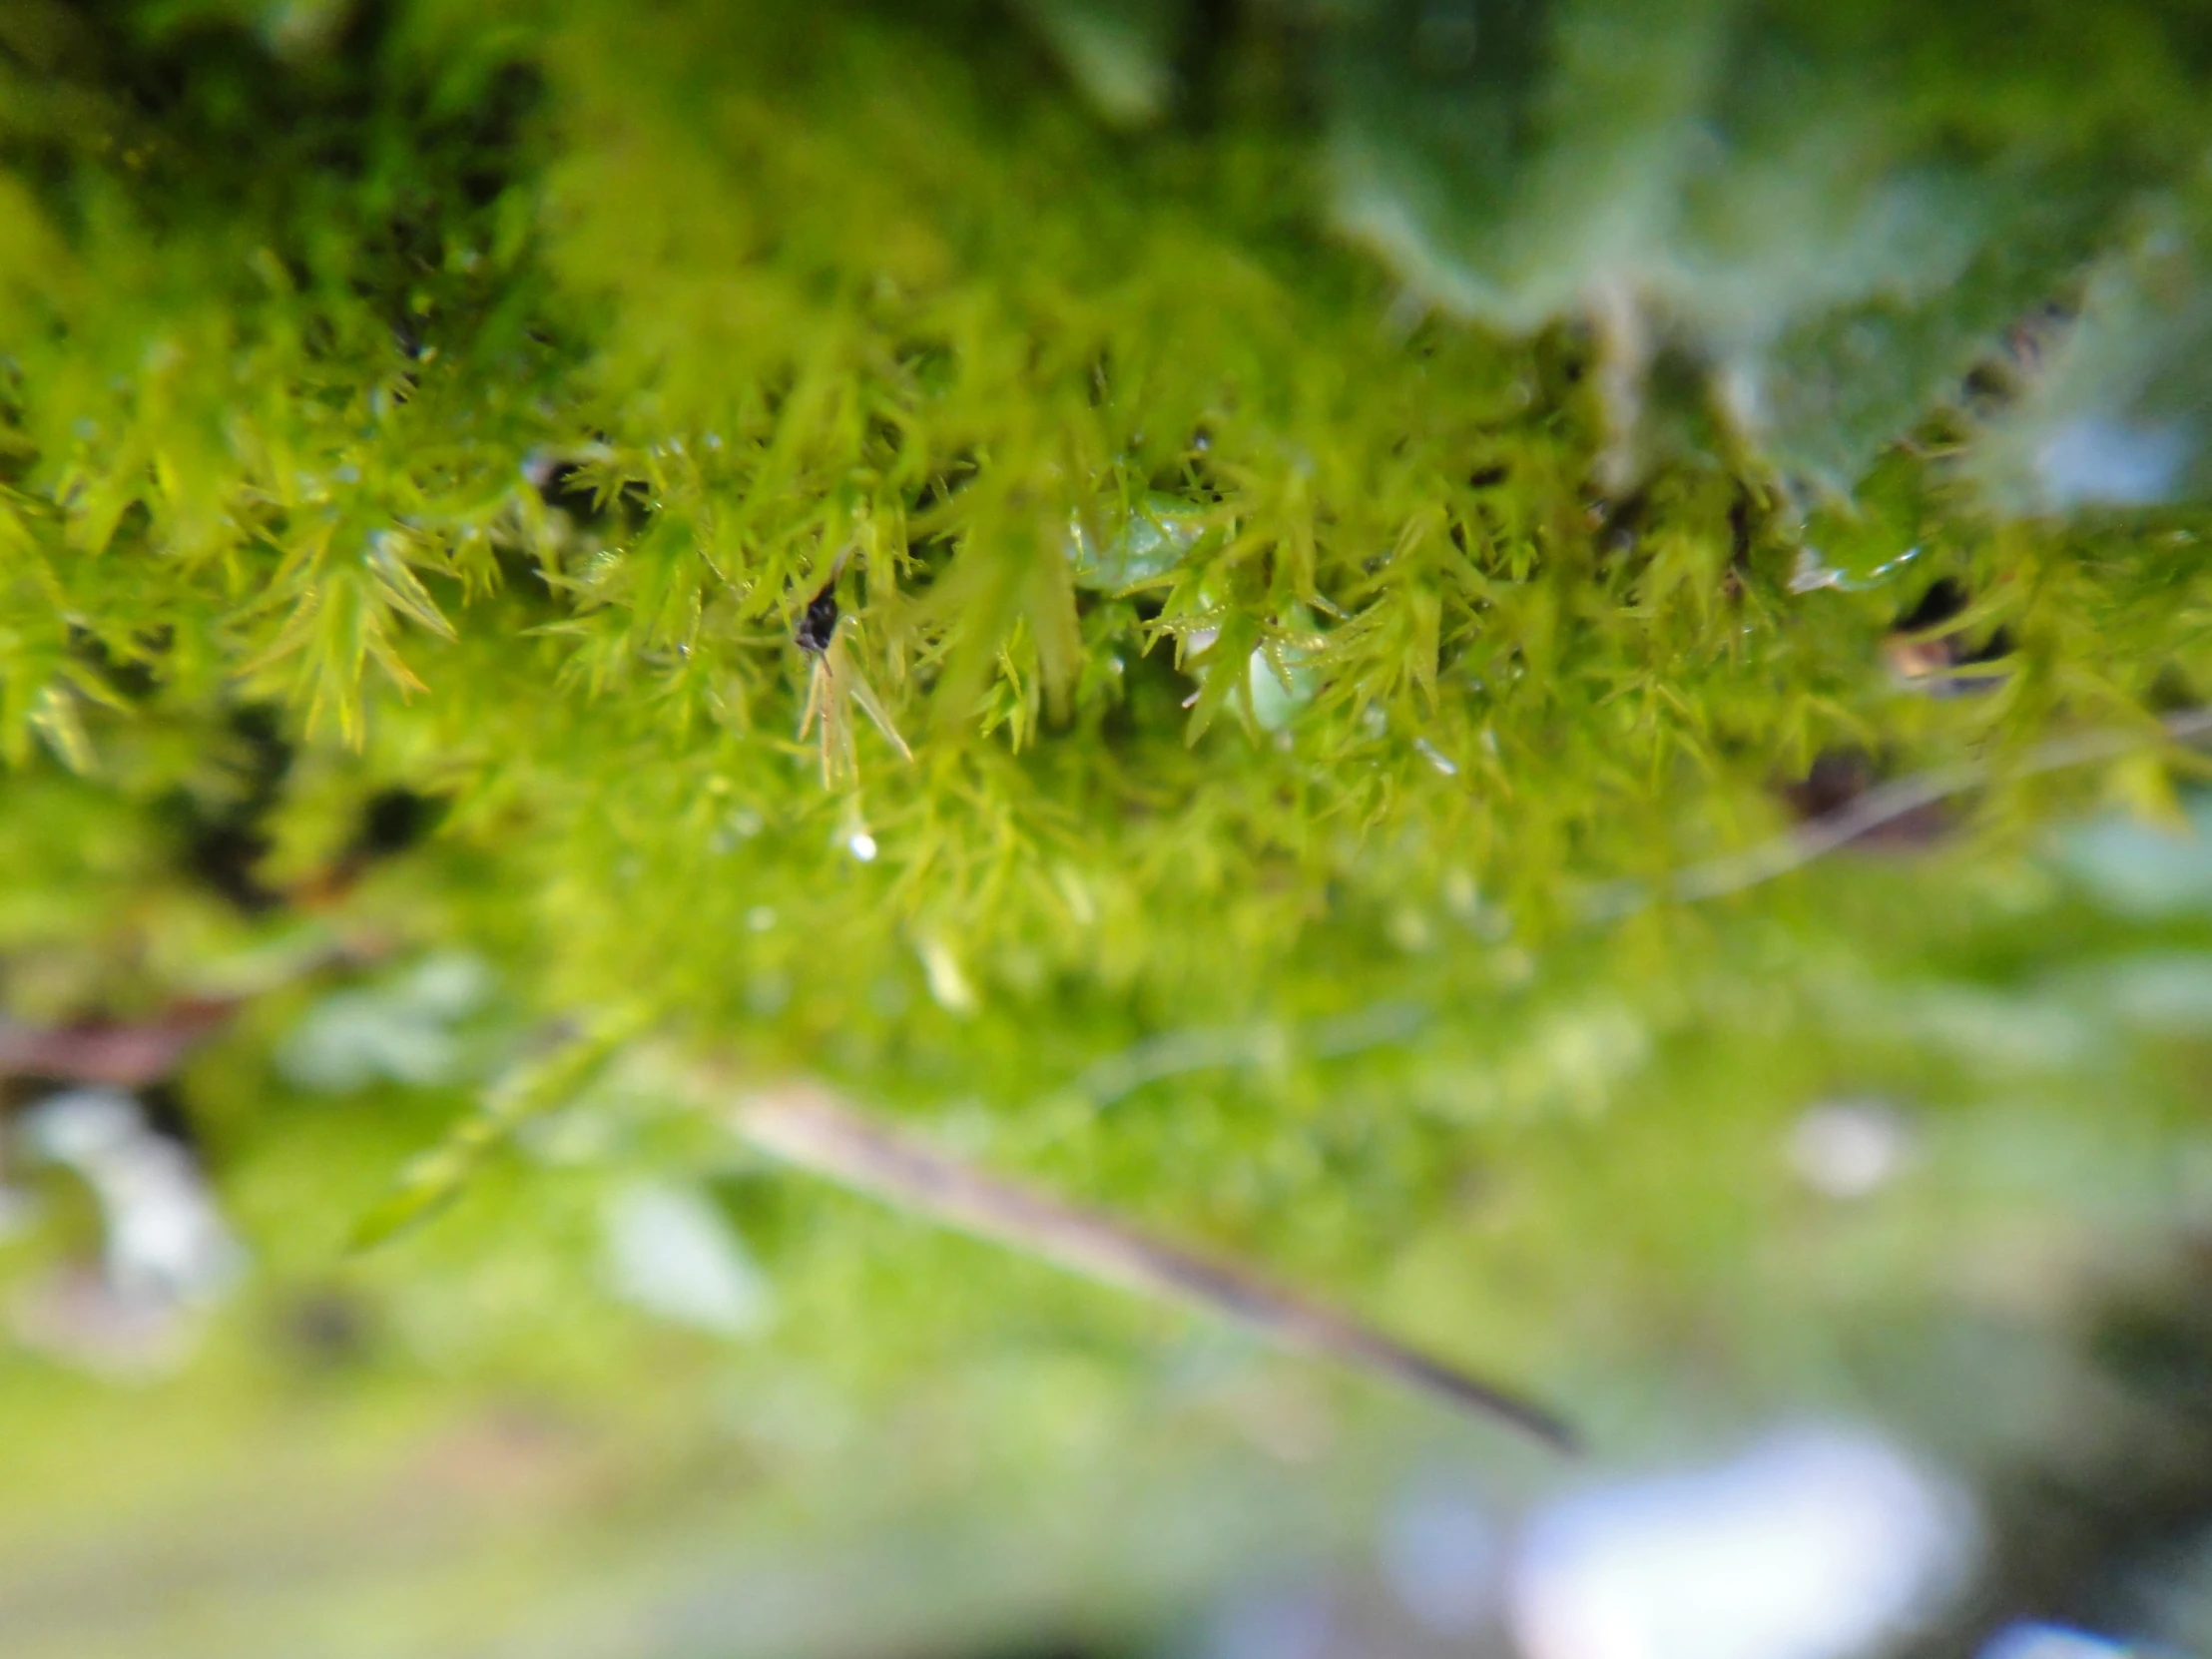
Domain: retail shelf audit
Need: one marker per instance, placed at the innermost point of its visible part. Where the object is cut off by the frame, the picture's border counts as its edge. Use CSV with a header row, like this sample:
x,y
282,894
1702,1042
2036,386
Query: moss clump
x,y
451,413
494,399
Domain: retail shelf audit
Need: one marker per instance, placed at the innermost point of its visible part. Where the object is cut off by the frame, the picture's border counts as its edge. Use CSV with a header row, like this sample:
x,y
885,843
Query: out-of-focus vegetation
x,y
1340,505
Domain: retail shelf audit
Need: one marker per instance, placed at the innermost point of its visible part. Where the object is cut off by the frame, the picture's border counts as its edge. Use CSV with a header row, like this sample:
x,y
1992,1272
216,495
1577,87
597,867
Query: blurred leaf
x,y
437,1176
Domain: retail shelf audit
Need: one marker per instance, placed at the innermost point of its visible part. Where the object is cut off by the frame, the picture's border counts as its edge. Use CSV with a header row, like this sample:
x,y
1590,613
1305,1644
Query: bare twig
x,y
805,1127
136,1053
121,1055
1735,872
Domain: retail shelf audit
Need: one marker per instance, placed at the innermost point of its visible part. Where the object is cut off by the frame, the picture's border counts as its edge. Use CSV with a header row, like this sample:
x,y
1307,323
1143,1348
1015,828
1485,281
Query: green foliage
x,y
741,295
471,402
1835,217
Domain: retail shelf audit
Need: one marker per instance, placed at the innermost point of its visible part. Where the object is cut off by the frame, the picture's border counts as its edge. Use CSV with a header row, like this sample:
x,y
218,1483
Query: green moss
x,y
742,298
471,402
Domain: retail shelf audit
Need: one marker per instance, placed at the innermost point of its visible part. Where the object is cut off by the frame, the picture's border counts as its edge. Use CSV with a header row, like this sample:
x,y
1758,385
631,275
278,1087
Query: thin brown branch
x,y
804,1126
124,1055
1795,848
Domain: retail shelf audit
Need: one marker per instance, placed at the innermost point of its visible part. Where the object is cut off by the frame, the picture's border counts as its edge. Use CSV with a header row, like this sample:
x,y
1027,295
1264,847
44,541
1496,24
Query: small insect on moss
x,y
819,623
832,680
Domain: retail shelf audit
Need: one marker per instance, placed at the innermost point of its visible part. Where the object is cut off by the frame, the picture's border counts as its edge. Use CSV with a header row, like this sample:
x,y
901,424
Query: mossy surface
x,y
422,431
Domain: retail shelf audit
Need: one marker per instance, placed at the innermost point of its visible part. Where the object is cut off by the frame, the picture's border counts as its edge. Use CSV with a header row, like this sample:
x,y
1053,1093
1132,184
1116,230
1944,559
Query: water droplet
x,y
862,847
1435,757
1151,540
1277,698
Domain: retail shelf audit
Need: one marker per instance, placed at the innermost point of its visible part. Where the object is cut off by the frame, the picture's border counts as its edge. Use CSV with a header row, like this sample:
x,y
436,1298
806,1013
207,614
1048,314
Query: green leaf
x,y
564,1066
